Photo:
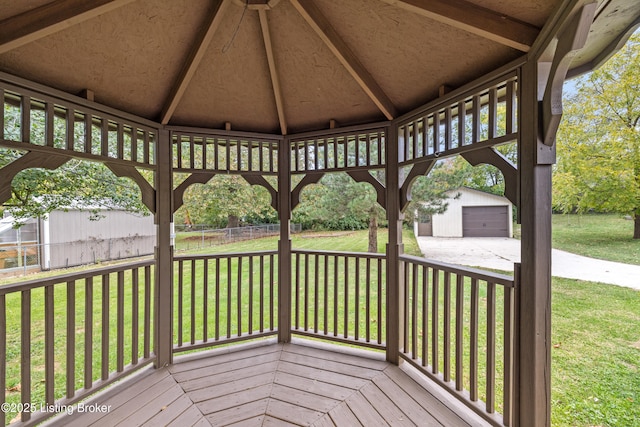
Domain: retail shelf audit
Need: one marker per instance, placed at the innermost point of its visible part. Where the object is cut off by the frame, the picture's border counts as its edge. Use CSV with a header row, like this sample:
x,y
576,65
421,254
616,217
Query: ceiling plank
x,y
275,81
339,48
50,18
193,60
475,19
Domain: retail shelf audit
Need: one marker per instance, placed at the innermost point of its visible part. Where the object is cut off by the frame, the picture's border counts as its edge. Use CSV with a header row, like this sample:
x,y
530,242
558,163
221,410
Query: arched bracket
x,y
418,169
260,180
148,192
194,178
311,178
570,41
490,156
365,176
30,160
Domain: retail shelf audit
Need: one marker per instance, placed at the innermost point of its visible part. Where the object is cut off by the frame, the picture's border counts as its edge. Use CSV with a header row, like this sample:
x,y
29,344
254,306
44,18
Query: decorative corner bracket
x,y
259,180
418,169
365,176
30,160
570,40
490,156
311,178
148,192
194,178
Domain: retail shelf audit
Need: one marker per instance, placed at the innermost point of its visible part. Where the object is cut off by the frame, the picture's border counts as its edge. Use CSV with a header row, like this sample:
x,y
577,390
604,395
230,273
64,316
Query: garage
x,y
485,221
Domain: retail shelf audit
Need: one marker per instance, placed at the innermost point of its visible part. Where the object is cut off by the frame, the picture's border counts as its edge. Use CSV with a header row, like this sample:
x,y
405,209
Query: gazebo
x,y
282,92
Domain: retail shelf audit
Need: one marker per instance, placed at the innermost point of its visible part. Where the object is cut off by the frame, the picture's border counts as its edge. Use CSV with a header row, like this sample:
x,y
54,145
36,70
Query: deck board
x,y
276,385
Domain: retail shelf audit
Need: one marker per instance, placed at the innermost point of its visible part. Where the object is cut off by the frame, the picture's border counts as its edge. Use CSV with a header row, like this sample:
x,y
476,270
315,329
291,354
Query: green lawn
x,y
595,354
602,236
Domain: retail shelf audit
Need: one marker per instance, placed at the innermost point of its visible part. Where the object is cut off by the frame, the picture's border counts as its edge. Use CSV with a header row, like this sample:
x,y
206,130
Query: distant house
x,y
69,237
473,214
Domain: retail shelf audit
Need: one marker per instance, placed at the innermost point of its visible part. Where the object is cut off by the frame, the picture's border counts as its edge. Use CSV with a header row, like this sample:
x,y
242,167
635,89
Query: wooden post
x,y
284,244
395,285
163,322
533,393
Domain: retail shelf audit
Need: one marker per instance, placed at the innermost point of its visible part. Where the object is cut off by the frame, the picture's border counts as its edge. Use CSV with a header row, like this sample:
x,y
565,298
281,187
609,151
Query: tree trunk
x,y
636,225
233,221
373,231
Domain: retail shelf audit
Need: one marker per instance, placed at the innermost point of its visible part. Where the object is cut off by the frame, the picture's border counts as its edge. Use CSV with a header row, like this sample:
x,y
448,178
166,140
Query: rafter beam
x,y
273,71
476,20
193,60
347,58
50,18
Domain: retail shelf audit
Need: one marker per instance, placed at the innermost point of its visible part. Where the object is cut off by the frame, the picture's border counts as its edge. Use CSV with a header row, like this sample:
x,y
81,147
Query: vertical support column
x,y
163,296
395,285
284,244
533,399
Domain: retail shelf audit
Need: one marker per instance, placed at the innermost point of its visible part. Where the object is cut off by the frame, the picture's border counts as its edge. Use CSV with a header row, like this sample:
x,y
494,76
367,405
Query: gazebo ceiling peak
x,y
282,66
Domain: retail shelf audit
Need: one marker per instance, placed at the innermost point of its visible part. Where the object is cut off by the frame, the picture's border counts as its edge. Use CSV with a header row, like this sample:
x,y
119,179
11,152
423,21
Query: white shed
x,y
473,214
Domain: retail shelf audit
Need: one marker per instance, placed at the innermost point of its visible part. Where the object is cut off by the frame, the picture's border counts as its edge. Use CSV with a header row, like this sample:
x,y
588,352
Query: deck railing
x,y
224,298
459,330
339,296
65,337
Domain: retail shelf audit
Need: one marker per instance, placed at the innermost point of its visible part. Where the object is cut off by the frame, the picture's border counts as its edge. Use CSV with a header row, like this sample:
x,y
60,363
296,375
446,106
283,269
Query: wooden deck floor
x,y
275,385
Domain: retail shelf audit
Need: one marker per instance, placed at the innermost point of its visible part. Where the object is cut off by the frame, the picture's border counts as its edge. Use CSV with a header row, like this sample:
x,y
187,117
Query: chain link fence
x,y
202,236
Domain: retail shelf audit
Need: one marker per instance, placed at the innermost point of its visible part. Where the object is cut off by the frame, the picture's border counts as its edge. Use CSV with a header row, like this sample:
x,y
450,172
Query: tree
x,y
227,200
599,140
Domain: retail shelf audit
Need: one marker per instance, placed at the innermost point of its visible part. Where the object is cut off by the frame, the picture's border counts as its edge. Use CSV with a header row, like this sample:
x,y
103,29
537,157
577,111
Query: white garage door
x,y
485,221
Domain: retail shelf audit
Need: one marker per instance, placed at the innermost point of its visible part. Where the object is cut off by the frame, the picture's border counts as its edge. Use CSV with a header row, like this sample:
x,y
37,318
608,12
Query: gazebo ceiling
x,y
278,66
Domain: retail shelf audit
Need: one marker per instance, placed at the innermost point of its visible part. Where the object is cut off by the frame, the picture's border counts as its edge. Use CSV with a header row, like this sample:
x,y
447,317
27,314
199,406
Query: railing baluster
x,y
25,353
297,296
414,310
459,331
217,301
25,119
49,341
447,326
262,292
435,297
88,332
425,315
316,293
367,300
326,294
120,322
405,308
473,357
180,298
71,339
3,330
135,301
271,294
509,321
357,299
205,300
2,137
306,290
49,118
346,293
193,301
335,295
250,327
239,294
105,327
147,311
379,320
491,347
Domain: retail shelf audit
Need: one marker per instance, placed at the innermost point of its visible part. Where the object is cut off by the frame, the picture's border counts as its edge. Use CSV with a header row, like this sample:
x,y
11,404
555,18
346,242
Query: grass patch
x,y
601,236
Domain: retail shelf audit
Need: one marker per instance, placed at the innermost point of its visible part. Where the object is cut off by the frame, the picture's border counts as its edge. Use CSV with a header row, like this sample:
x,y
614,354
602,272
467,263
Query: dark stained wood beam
x,y
193,60
273,71
51,18
475,19
339,48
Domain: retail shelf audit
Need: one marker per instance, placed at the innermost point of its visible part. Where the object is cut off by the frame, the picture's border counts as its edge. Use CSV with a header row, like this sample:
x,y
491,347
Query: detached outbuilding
x,y
471,213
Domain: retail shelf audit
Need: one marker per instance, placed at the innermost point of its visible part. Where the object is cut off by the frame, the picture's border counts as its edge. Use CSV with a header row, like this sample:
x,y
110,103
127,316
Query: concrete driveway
x,y
501,252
